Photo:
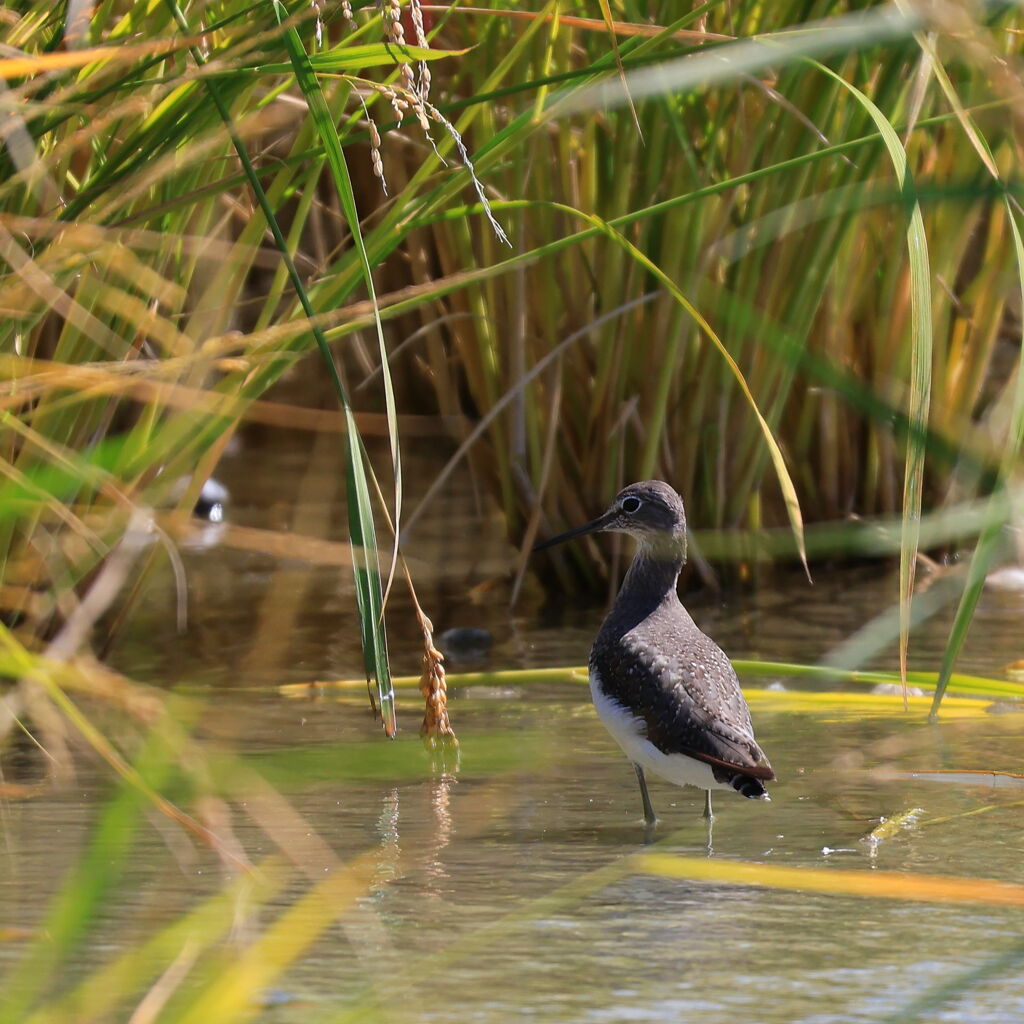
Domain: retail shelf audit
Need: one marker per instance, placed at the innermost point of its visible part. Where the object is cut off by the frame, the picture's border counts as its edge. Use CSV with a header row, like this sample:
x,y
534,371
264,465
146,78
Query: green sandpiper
x,y
665,691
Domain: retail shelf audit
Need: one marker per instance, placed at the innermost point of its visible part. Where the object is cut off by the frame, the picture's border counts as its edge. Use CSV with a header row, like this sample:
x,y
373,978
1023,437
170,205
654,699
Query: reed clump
x,y
765,192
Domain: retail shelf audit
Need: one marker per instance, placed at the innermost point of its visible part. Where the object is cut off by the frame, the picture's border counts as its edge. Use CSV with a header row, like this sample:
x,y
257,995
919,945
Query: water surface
x,y
501,886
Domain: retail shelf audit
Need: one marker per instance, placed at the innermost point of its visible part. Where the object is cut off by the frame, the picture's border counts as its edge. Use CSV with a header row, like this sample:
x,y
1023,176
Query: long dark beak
x,y
594,526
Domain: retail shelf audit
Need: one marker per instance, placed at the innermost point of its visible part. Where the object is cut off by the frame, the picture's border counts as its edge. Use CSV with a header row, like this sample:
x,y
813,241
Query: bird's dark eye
x,y
631,505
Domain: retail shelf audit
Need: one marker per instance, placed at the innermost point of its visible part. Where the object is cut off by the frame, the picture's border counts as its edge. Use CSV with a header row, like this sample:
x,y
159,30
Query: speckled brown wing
x,y
685,691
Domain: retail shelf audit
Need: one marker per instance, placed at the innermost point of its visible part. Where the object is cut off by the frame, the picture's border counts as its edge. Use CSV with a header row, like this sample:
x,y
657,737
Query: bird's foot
x,y
708,814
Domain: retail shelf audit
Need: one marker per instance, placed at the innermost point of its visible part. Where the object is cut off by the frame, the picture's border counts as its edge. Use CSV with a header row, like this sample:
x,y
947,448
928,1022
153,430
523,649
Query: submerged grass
x,y
874,884
963,685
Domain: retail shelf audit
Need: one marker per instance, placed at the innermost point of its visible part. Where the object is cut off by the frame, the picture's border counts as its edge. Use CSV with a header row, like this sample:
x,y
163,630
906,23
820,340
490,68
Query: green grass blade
x,y
606,14
920,361
362,534
328,133
344,59
988,542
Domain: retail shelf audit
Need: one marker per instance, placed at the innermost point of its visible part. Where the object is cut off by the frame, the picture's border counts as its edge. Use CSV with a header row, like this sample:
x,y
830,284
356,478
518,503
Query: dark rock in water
x,y
464,643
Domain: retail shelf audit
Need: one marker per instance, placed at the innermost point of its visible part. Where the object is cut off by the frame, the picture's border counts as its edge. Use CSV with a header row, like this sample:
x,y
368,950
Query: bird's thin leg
x,y
649,816
709,818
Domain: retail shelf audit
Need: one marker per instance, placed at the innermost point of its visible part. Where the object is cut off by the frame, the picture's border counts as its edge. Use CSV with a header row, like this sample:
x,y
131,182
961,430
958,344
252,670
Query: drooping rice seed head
x,y
434,687
416,16
391,14
376,160
436,115
405,73
422,70
394,33
377,166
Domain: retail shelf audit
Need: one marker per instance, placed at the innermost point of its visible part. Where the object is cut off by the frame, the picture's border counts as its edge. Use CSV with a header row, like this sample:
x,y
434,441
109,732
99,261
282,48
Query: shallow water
x,y
503,888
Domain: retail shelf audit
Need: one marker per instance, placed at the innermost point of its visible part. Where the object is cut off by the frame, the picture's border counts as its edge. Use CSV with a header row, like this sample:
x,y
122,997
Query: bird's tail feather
x,y
749,787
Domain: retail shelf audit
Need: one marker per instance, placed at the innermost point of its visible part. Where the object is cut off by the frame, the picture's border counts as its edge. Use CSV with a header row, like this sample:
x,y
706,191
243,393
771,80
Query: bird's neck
x,y
650,582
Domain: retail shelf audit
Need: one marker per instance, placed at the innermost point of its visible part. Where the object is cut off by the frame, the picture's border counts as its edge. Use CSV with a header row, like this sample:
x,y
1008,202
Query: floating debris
x,y
887,828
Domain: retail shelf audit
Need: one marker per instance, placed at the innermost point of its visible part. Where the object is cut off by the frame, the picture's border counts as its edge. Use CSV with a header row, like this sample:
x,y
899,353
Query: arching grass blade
x,y
362,534
920,362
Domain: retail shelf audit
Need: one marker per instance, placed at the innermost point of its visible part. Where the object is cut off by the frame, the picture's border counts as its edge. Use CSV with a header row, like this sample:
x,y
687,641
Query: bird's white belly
x,y
629,732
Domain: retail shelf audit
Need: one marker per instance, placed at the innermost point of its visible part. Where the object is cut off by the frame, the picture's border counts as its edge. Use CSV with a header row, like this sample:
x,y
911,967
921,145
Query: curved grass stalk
x,y
328,134
37,670
654,435
360,513
920,361
501,403
620,28
953,988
